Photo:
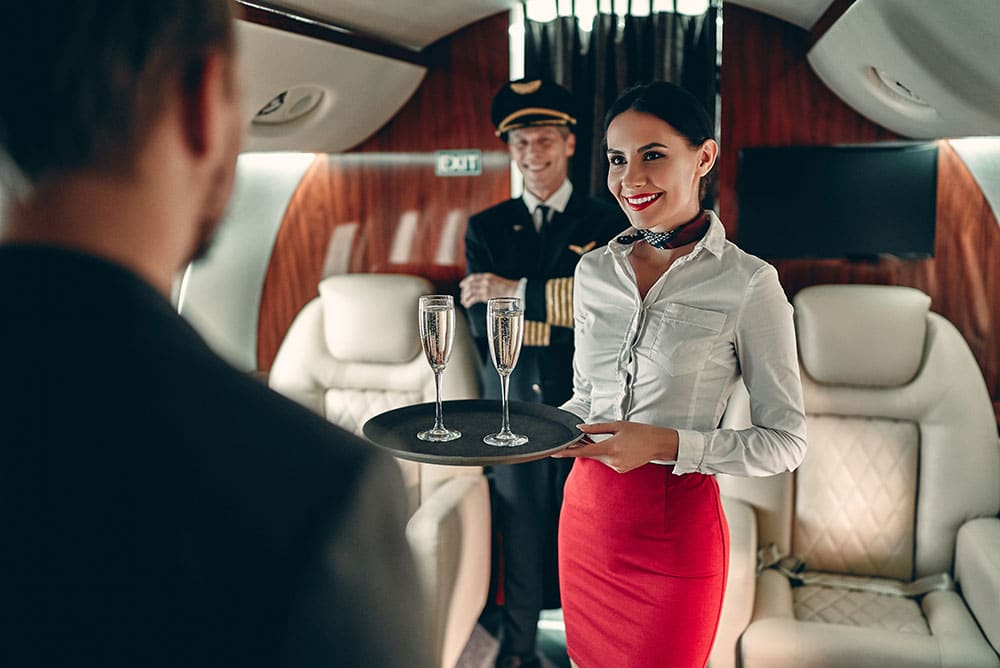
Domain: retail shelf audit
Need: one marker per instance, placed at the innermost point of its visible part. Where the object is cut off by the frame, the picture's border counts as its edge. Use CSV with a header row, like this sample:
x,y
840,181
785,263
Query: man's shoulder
x,y
598,217
270,415
239,416
596,207
290,446
505,208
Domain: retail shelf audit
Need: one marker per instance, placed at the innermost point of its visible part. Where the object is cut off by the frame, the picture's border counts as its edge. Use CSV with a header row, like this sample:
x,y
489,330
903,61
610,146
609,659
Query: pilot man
x,y
529,247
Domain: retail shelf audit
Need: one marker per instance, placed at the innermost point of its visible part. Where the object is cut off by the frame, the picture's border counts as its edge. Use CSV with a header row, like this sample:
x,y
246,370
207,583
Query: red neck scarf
x,y
681,235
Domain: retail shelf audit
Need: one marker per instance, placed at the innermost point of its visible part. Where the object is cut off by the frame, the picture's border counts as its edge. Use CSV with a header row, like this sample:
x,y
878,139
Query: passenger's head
x,y
661,150
536,119
85,81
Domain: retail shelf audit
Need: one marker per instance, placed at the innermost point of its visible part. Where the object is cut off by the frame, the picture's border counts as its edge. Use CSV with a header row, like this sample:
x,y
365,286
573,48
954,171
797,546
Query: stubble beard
x,y
216,204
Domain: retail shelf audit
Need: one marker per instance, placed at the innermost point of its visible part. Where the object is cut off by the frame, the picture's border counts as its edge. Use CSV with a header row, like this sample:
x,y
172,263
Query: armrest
x,y
449,535
977,571
741,583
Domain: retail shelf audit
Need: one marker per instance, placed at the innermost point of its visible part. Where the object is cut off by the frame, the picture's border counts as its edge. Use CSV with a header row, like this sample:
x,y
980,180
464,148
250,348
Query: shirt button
x,y
536,388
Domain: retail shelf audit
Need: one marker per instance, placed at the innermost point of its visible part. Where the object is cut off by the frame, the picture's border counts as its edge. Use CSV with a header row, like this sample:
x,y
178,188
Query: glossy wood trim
x,y
771,97
962,279
295,262
829,17
381,208
317,28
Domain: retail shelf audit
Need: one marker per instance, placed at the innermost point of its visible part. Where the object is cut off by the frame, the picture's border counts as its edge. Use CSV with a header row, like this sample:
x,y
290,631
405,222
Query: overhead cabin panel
x,y
922,68
803,13
305,94
412,23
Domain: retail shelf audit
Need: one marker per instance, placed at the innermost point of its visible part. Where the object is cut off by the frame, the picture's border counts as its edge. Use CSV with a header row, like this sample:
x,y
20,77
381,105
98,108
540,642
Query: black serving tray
x,y
548,429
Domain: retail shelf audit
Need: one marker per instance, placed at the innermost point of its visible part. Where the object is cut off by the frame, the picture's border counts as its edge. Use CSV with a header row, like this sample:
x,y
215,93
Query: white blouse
x,y
673,358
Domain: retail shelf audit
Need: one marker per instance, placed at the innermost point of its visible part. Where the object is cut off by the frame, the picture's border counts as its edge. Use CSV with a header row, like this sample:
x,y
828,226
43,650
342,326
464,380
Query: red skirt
x,y
643,557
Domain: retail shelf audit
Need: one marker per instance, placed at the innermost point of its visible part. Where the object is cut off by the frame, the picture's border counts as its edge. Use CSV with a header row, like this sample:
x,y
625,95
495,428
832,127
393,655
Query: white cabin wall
x,y
220,295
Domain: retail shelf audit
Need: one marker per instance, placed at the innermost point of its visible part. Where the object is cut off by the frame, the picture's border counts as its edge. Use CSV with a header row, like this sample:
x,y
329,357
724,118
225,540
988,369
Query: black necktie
x,y
543,215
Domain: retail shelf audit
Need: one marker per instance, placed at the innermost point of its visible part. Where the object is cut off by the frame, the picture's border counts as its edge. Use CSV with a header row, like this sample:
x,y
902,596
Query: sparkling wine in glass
x,y
437,333
505,330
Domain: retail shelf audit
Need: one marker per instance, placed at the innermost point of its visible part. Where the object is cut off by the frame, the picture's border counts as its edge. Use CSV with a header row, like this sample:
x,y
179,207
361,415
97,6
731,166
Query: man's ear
x,y
206,93
570,144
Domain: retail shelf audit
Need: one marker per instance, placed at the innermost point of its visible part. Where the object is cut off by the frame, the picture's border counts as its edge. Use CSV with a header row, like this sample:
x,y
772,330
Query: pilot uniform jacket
x,y
502,240
526,497
161,508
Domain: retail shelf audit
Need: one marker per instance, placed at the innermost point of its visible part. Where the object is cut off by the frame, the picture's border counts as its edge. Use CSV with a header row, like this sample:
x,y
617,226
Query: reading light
x,y
289,105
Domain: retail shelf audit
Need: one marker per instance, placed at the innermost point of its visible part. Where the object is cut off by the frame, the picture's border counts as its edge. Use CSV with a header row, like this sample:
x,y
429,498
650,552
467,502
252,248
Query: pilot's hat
x,y
531,102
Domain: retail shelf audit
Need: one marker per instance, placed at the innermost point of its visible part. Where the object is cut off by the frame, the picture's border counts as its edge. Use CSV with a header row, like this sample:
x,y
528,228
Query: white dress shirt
x,y
672,358
556,202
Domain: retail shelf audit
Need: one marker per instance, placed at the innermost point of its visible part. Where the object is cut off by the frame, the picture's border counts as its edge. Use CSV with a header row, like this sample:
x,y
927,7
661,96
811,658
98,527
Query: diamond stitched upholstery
x,y
858,608
933,421
381,365
354,352
856,495
352,408
959,461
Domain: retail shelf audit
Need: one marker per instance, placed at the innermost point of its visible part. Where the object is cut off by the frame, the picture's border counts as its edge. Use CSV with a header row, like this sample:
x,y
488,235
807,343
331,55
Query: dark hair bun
x,y
670,103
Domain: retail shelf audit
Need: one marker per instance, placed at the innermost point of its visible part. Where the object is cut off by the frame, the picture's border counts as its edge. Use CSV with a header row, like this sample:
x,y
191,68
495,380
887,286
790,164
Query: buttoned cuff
x,y
522,289
690,451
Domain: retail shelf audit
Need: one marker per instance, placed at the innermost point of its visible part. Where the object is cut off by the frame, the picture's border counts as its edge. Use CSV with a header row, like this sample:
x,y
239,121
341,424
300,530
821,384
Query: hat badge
x,y
526,87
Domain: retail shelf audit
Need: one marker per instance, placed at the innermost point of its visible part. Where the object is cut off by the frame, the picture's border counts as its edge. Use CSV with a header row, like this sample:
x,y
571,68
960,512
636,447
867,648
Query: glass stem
x,y
438,417
504,382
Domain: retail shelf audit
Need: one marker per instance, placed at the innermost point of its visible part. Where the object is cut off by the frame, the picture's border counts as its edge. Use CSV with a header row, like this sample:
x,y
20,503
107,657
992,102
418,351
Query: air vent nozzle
x,y
289,105
898,88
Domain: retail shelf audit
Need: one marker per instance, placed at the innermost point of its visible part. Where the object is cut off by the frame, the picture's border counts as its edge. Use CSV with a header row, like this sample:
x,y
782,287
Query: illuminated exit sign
x,y
467,162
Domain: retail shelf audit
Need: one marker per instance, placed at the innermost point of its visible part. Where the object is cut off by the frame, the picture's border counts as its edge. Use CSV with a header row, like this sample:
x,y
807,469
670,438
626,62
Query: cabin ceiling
x,y
921,68
412,23
355,93
347,93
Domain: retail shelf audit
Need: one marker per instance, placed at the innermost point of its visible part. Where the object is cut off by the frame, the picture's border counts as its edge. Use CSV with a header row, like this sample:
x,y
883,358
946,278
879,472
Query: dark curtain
x,y
598,66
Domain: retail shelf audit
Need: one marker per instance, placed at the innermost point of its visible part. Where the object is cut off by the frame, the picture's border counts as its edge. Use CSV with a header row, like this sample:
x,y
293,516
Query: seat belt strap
x,y
915,589
793,568
770,557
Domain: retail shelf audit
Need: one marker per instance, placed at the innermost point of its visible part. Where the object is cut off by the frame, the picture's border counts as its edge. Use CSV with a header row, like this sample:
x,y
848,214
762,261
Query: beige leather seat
x,y
354,352
901,482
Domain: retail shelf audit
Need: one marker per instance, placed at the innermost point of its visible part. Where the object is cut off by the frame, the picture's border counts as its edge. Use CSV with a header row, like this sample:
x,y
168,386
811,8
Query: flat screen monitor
x,y
857,202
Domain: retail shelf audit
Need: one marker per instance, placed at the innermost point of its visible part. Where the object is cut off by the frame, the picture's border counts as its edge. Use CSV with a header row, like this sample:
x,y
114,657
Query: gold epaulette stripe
x,y
536,333
559,302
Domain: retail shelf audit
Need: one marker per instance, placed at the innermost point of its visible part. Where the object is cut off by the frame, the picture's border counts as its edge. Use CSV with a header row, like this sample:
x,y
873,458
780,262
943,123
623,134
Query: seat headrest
x,y
866,335
372,317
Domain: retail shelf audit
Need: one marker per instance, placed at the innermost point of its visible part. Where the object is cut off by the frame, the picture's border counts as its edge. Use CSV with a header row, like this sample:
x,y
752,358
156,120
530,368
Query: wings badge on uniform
x,y
580,250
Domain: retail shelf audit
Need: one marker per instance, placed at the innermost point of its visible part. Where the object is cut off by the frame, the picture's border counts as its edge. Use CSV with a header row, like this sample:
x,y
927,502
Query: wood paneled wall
x,y
771,97
380,207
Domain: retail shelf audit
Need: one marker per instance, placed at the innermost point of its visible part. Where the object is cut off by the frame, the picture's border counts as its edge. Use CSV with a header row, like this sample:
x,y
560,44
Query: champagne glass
x,y
505,329
437,333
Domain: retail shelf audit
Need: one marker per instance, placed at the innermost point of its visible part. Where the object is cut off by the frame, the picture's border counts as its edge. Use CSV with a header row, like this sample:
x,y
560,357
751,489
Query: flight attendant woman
x,y
667,318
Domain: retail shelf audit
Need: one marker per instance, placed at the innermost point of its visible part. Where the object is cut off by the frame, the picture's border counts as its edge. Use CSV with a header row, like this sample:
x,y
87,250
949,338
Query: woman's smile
x,y
642,201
